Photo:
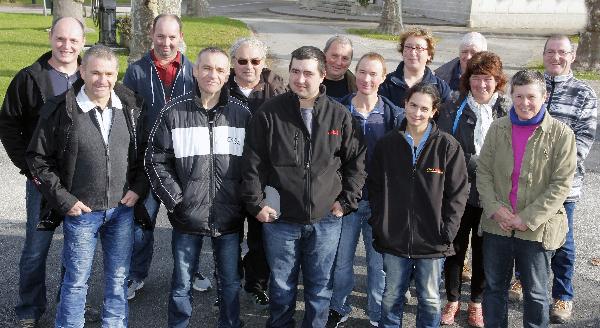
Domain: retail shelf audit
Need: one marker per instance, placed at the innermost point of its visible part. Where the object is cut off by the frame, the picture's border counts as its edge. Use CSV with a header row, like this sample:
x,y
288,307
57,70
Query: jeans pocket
x,y
555,231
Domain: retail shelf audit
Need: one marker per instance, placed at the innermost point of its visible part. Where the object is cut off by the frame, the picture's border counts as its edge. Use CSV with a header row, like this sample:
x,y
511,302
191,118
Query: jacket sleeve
x,y
485,174
256,164
42,155
139,181
159,163
353,152
444,90
375,183
13,119
563,163
585,128
456,190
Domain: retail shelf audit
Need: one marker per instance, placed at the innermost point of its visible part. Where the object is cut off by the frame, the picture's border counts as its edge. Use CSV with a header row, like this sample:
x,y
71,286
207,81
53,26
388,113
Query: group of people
x,y
419,161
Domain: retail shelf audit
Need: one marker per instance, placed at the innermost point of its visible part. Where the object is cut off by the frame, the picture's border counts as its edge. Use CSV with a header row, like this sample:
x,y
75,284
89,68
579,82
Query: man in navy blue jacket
x,y
162,74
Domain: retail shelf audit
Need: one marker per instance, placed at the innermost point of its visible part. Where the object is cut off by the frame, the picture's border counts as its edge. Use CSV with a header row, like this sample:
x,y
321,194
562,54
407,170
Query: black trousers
x,y
453,265
256,269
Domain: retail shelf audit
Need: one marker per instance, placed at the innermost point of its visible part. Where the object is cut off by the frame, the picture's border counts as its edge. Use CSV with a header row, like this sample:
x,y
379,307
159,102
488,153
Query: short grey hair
x,y
528,77
342,39
474,39
251,42
100,51
559,37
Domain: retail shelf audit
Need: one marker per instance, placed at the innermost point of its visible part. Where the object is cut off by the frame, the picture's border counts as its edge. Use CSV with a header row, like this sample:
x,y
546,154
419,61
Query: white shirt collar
x,y
87,105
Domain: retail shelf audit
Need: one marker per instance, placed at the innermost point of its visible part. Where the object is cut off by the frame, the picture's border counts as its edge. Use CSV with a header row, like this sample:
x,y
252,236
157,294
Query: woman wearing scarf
x,y
468,119
524,174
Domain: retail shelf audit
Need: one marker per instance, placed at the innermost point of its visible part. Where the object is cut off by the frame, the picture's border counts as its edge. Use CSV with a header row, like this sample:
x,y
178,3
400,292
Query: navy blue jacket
x,y
394,88
392,117
142,78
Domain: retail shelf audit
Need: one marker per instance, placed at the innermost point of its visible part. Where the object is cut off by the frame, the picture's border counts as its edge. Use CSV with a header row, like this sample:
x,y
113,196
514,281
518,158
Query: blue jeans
x,y
427,274
533,264
563,262
32,266
143,242
186,250
343,270
293,247
115,227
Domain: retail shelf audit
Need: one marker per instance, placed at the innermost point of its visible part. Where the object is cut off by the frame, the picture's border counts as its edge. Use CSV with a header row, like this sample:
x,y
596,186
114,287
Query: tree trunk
x,y
70,8
197,8
142,14
391,17
588,51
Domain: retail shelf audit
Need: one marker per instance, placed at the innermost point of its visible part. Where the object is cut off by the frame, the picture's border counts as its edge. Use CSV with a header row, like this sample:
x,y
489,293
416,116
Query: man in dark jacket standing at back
x,y
253,84
339,81
51,75
194,164
304,153
162,74
85,157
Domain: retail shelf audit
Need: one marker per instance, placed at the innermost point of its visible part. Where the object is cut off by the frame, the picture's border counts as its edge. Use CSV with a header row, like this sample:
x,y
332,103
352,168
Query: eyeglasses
x,y
560,53
254,61
417,48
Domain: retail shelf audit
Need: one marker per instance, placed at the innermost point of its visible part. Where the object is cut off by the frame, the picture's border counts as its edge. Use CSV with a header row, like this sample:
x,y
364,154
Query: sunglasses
x,y
254,62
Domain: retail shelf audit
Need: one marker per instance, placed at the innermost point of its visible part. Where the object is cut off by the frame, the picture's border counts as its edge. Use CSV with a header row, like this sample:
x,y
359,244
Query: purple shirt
x,y
520,136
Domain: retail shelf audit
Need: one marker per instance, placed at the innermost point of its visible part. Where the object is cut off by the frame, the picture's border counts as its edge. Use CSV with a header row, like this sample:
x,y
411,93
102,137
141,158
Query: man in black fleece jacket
x,y
304,153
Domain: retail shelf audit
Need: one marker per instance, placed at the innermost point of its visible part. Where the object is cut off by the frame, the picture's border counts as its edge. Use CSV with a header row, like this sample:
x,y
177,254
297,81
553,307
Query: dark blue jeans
x,y
533,264
399,271
343,270
563,262
115,228
143,243
32,266
293,247
186,250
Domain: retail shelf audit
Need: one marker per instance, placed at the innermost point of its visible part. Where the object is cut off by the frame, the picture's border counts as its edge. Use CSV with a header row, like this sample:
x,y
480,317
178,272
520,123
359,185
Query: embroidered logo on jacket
x,y
333,132
435,170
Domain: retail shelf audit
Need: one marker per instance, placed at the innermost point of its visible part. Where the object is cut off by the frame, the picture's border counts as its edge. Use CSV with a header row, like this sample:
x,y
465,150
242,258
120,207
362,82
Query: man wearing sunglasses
x,y
253,84
162,74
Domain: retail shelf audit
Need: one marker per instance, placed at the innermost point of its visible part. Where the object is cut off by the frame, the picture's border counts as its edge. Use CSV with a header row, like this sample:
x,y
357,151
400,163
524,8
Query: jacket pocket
x,y
555,231
286,153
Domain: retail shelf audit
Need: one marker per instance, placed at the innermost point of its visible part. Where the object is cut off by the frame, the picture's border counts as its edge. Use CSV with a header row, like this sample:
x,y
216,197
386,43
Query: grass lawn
x,y
373,34
24,39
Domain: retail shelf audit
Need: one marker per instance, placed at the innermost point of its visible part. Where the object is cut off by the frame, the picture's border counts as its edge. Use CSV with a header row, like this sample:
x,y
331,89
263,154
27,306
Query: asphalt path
x,y
283,34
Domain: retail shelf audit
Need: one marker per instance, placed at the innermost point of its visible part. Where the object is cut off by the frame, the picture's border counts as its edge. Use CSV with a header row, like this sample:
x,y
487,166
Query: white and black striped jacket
x,y
194,162
574,103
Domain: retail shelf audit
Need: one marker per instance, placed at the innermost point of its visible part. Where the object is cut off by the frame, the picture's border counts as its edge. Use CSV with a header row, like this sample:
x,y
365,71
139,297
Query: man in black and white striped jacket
x,y
194,164
574,103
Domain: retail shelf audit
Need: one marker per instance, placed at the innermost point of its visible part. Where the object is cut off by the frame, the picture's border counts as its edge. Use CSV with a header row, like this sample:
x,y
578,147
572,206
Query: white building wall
x,y
539,14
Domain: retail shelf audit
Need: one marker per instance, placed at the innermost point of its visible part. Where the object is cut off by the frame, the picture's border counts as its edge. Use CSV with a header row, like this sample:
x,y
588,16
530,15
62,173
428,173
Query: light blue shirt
x,y
411,143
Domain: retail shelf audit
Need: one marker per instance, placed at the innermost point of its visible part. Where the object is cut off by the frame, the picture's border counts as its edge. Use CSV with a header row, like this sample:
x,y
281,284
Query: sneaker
x,y
200,283
515,292
27,323
466,273
374,323
132,287
450,312
475,315
92,315
259,297
561,311
335,319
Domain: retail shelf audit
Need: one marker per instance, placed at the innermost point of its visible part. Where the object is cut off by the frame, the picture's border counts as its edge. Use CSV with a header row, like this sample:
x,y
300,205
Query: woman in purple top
x,y
524,174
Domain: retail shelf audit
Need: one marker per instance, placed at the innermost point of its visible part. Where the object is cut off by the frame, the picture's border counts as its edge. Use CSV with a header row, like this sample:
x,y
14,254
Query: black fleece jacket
x,y
416,209
310,172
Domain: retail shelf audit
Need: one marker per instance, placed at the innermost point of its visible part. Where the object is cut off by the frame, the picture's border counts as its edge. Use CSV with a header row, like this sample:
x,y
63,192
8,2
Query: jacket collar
x,y
223,96
397,77
86,105
545,124
559,78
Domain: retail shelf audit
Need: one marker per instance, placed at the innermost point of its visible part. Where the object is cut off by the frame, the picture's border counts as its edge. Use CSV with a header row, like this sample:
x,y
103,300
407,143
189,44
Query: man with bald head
x,y
51,75
162,74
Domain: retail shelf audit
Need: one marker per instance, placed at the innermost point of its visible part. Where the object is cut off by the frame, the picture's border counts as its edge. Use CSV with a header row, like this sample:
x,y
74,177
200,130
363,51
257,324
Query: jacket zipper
x,y
212,174
308,179
296,147
552,84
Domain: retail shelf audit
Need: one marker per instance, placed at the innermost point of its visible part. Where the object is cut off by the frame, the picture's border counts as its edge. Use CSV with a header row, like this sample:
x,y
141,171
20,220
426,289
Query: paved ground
x,y
283,34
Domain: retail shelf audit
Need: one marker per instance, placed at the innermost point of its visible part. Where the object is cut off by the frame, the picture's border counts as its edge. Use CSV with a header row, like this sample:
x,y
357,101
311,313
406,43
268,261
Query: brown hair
x,y
428,89
483,63
373,56
422,33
